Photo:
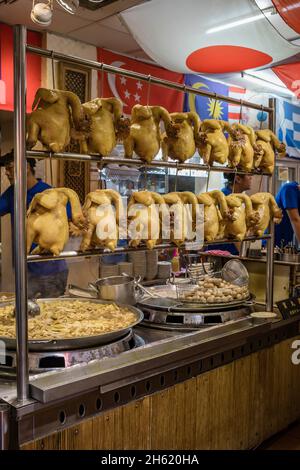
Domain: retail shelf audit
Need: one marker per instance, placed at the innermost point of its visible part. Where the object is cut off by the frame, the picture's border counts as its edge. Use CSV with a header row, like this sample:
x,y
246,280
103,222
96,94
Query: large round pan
x,y
82,342
192,307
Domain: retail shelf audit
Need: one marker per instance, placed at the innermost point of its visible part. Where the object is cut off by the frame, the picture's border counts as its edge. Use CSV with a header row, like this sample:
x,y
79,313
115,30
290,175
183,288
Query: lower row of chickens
x,y
150,217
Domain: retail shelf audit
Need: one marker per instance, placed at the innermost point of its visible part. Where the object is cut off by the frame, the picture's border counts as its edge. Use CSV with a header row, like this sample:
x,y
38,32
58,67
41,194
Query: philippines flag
x,y
289,127
206,108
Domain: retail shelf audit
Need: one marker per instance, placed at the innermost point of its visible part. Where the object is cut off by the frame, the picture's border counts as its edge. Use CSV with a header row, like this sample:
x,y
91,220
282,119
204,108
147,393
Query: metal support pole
x,y
20,196
270,241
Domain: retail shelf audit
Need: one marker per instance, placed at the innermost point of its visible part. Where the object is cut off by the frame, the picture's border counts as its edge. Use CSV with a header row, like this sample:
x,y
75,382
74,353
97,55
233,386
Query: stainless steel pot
x,y
120,289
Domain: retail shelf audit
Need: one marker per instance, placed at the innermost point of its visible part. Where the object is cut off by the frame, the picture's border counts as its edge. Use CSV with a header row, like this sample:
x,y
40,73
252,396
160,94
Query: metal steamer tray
x,y
81,342
173,313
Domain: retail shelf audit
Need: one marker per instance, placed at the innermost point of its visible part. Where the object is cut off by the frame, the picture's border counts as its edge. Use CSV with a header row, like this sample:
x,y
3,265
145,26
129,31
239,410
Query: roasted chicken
x,y
211,141
216,214
145,212
144,136
242,144
47,220
104,115
242,216
266,210
267,142
104,212
53,112
179,141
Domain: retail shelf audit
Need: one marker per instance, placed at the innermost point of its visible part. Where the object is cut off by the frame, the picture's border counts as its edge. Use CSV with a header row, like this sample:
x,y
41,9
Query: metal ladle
x,y
137,283
33,308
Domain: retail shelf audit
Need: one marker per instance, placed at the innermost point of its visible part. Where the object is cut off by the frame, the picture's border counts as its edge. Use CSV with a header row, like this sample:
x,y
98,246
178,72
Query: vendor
x,y
45,278
236,183
288,199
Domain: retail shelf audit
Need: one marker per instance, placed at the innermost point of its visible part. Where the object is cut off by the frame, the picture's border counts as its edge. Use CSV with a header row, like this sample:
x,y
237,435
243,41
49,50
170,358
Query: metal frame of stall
x,y
19,236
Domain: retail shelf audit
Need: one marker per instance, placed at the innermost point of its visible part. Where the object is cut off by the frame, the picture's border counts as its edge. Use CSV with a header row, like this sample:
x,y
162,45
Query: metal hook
x,y
53,70
176,176
236,172
102,79
261,123
215,104
148,91
207,181
51,168
241,113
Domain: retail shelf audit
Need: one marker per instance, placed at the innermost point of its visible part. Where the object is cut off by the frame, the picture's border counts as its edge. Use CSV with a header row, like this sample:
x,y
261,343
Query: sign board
x,y
283,173
289,307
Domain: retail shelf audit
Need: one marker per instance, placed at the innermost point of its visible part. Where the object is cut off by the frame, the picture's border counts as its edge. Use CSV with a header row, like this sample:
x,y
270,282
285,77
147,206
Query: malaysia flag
x,y
132,91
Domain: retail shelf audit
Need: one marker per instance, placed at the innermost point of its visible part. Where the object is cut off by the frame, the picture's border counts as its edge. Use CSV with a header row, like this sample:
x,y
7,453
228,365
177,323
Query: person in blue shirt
x,y
238,183
45,278
241,183
288,199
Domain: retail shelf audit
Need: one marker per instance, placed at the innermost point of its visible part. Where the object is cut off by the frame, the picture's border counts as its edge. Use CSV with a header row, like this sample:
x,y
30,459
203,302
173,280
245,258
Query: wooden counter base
x,y
236,406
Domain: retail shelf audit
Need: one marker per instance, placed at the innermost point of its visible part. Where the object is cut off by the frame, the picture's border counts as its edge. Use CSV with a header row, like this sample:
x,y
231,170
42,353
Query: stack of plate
x,y
164,269
138,259
152,267
126,268
107,270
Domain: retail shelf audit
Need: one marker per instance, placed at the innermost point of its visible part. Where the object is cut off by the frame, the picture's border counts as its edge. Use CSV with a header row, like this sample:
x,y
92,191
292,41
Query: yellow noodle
x,y
63,319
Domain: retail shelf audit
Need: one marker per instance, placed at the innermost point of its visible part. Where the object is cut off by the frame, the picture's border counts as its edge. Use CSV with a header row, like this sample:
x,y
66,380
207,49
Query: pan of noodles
x,y
68,323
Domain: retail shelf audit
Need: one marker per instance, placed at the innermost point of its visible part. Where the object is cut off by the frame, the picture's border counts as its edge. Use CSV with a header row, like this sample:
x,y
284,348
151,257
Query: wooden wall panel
x,y
236,406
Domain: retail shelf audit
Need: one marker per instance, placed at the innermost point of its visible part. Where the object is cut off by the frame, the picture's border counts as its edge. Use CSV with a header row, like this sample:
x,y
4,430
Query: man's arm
x,y
295,221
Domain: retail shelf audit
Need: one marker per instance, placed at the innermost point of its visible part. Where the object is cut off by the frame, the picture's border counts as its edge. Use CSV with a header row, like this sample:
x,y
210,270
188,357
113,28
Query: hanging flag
x,y
206,108
289,10
289,127
215,37
289,74
7,68
235,111
131,91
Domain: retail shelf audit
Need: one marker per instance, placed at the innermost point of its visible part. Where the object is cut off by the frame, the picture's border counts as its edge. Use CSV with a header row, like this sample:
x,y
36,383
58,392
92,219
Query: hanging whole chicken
x,y
104,115
145,211
47,220
178,218
104,212
179,141
144,136
216,214
211,141
266,210
242,144
242,216
267,142
53,112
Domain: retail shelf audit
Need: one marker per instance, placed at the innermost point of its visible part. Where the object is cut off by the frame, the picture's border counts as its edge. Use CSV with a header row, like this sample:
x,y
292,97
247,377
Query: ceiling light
x,y
71,6
41,12
234,24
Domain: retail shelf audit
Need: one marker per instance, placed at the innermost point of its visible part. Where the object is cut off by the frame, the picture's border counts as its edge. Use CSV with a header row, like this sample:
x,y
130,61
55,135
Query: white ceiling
x,y
101,27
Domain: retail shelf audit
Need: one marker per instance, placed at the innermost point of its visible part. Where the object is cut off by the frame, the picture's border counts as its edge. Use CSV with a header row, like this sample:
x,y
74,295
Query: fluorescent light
x,y
234,24
265,83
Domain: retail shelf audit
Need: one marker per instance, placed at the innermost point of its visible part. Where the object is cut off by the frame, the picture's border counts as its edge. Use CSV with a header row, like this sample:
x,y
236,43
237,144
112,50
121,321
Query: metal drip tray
x,y
191,321
44,361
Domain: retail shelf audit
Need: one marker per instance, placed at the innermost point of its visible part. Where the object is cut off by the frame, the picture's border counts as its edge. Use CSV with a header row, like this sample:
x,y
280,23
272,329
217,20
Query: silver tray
x,y
77,343
173,305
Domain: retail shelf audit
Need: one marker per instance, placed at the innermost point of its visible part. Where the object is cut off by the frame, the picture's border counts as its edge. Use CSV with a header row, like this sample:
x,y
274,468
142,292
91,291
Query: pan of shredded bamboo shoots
x,y
69,323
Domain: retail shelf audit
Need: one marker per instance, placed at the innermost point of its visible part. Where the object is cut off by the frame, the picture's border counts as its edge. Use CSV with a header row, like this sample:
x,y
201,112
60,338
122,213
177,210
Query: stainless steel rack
x,y
20,48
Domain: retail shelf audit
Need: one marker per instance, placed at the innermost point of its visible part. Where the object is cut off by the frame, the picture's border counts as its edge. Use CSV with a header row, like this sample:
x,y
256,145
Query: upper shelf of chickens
x,y
59,120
